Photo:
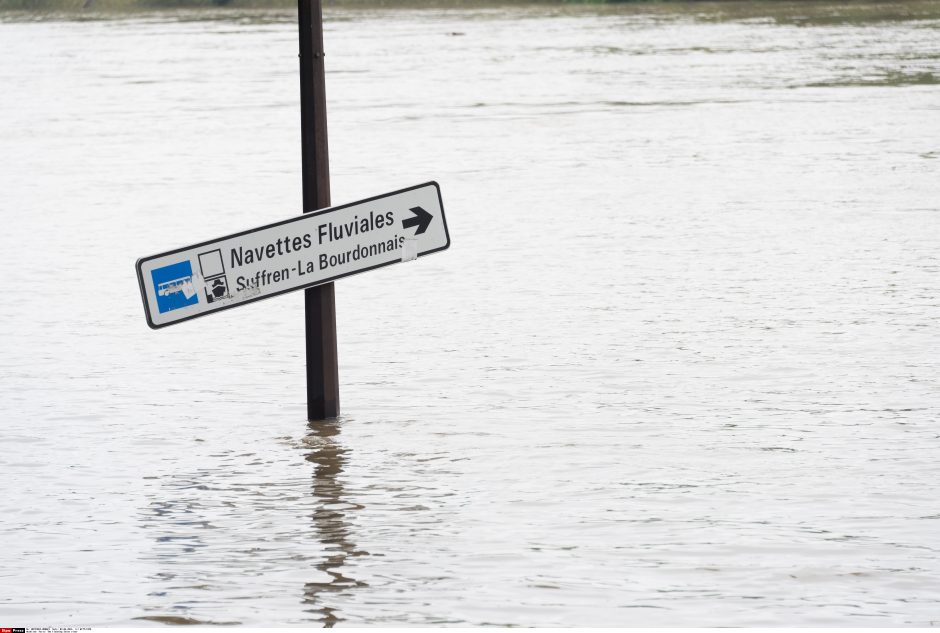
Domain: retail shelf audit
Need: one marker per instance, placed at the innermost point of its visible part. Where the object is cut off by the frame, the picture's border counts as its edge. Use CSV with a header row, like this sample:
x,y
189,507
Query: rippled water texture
x,y
679,367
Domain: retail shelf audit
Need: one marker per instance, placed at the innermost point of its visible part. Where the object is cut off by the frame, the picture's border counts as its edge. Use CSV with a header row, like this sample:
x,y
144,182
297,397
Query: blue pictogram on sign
x,y
174,286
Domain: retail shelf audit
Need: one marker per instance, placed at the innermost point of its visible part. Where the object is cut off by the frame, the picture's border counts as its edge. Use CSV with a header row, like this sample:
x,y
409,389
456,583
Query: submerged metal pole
x,y
319,301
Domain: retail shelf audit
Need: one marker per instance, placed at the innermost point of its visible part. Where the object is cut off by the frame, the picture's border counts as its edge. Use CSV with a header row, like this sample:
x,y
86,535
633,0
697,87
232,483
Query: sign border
x,y
303,216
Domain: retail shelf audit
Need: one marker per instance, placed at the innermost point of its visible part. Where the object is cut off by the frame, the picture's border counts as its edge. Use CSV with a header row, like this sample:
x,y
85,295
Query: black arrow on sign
x,y
422,220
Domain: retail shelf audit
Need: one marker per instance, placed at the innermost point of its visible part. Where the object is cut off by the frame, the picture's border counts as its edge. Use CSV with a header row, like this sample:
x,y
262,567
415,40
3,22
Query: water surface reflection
x,y
330,521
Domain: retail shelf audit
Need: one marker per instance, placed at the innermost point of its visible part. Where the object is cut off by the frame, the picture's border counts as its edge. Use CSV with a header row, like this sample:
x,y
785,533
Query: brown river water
x,y
679,366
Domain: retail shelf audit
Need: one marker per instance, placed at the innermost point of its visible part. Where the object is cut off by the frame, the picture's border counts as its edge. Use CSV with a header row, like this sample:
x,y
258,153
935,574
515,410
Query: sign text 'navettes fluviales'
x,y
308,250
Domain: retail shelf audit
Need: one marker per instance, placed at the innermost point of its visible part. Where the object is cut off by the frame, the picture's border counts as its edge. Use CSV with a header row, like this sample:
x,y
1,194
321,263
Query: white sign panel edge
x,y
409,250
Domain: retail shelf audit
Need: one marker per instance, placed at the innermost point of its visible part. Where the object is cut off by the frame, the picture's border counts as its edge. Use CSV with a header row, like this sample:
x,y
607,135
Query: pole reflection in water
x,y
329,519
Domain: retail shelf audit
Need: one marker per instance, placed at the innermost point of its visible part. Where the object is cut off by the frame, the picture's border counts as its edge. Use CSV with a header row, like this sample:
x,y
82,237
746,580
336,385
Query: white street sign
x,y
308,250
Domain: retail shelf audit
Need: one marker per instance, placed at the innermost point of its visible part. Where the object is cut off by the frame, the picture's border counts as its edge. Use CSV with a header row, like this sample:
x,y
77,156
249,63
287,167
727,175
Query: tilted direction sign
x,y
308,250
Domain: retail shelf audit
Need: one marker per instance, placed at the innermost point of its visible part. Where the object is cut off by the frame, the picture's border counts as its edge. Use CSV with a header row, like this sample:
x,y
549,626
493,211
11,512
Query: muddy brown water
x,y
679,366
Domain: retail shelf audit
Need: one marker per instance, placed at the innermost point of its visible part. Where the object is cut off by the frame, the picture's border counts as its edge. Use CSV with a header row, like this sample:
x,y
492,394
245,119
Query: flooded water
x,y
679,367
